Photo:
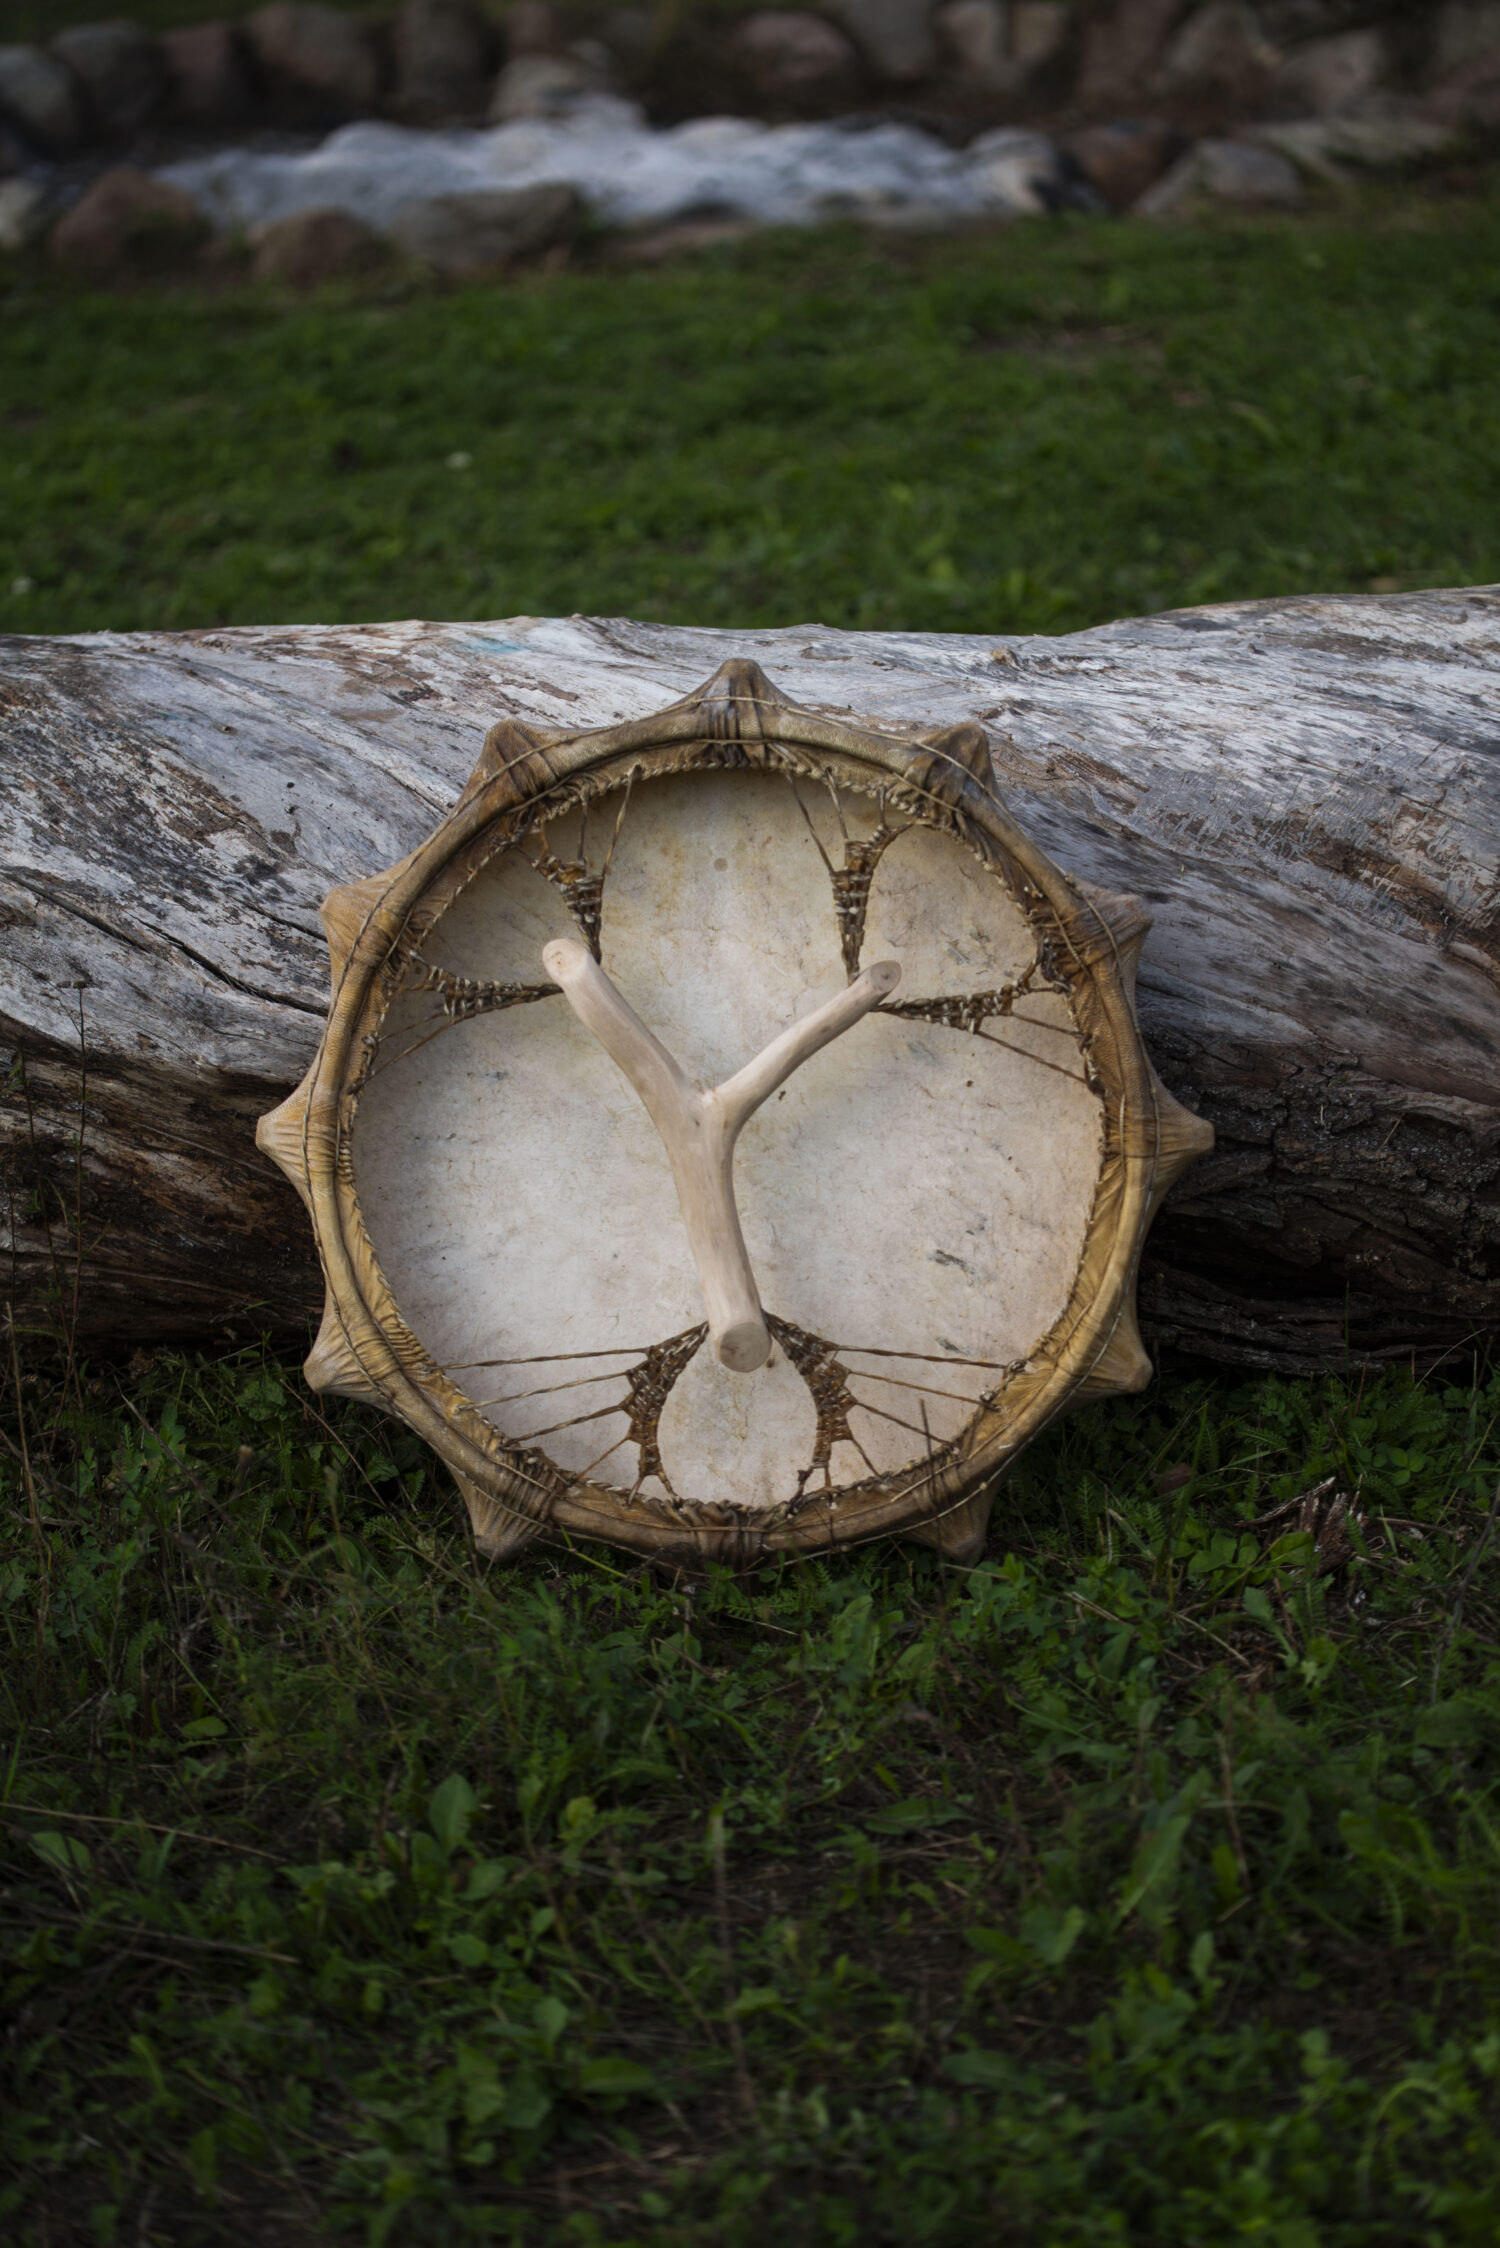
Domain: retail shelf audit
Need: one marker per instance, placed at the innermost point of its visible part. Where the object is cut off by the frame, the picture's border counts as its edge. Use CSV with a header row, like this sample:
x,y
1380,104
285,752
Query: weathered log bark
x,y
1307,793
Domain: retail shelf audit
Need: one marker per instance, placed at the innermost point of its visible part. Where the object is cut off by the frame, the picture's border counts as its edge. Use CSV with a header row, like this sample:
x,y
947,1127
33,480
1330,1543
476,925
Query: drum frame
x,y
736,721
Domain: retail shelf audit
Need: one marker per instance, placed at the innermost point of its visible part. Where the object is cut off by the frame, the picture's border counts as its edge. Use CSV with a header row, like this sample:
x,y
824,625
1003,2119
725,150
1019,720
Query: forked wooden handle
x,y
699,1125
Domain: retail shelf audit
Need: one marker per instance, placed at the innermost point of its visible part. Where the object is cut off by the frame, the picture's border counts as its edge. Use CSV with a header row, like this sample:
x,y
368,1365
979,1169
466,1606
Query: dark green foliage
x,y
1034,429
1138,1886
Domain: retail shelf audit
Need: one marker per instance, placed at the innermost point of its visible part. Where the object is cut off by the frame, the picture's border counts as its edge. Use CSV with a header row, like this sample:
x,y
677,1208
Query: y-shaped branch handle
x,y
699,1126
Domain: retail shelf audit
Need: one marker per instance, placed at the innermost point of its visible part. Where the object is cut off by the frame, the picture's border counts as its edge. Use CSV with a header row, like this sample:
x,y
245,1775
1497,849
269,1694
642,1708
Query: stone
x,y
1039,30
39,95
316,247
208,77
209,82
485,232
975,35
23,207
1123,49
534,28
1122,159
1223,171
630,36
127,223
319,65
1020,174
1330,76
122,71
545,86
657,245
1324,146
1465,31
795,60
441,52
631,175
894,36
1465,84
1221,51
1288,23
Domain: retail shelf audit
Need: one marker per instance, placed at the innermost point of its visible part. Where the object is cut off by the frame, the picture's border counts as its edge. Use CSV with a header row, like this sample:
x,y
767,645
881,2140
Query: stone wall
x,y
1142,105
958,66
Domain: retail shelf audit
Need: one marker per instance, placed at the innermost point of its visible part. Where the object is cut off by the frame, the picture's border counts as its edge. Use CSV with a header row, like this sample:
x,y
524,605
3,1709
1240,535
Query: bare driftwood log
x,y
1306,792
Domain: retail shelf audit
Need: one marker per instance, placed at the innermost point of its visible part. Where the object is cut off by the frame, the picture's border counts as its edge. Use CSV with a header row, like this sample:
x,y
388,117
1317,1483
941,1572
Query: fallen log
x,y
1306,792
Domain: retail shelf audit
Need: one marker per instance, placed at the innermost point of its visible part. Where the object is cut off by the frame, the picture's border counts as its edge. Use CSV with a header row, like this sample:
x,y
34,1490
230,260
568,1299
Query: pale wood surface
x,y
1306,792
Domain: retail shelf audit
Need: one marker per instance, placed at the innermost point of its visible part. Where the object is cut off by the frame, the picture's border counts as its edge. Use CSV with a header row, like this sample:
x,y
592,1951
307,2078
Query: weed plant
x,y
1033,429
1139,1885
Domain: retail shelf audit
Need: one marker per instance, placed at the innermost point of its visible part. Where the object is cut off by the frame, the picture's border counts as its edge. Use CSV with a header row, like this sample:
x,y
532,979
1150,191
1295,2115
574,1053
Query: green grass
x,y
1140,1886
1035,429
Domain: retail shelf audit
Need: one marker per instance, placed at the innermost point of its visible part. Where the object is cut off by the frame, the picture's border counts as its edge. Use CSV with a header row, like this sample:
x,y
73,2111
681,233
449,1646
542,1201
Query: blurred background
x,y
983,318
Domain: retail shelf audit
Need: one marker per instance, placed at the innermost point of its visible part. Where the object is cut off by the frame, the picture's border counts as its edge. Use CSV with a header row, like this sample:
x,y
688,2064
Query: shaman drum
x,y
731,1135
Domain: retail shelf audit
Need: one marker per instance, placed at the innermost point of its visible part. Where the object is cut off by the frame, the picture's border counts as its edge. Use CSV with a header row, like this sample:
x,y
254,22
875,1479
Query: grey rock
x,y
315,247
208,78
1220,50
1004,47
545,86
1039,29
894,36
1465,31
629,34
320,64
23,208
795,60
1465,85
127,223
122,71
441,52
1223,171
975,35
40,96
1326,146
1022,174
1122,159
1329,76
461,235
1123,48
1287,22
657,245
534,28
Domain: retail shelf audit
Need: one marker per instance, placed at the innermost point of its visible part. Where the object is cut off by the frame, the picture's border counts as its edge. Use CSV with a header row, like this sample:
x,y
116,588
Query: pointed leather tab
x,y
279,1134
945,764
739,703
332,1365
1127,923
515,762
1181,1139
499,1533
1123,1366
958,1535
345,911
